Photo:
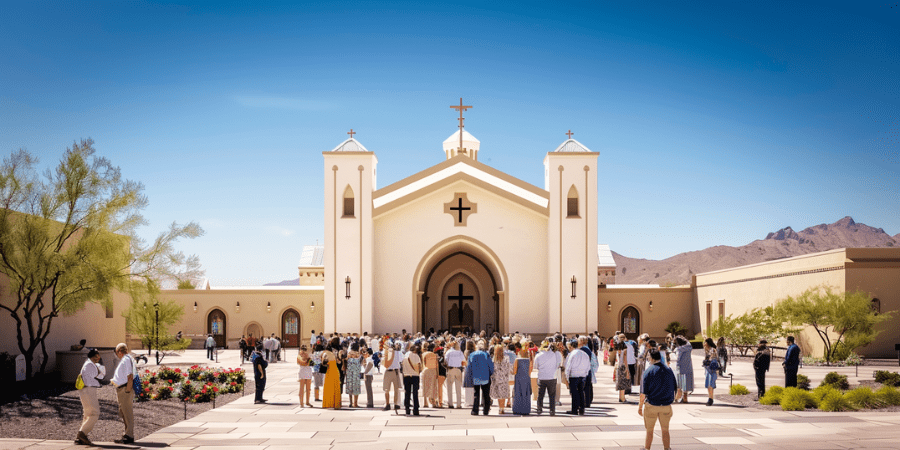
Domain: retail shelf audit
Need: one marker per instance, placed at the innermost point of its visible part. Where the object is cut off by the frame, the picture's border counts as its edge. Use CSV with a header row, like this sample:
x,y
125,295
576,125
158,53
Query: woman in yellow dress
x,y
331,397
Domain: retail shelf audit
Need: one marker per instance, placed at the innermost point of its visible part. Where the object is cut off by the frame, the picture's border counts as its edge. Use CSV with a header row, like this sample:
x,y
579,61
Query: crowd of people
x,y
474,369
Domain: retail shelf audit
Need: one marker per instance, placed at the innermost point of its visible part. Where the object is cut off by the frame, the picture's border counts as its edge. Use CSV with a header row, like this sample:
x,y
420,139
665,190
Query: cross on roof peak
x,y
569,134
461,107
351,133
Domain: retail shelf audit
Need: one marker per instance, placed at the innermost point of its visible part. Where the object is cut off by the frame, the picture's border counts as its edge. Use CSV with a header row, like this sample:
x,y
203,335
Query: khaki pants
x,y
392,377
652,413
126,413
91,407
454,384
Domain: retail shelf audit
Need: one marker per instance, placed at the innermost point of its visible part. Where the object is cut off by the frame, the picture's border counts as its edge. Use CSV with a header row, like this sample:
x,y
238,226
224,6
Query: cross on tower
x,y
569,134
351,133
460,298
461,108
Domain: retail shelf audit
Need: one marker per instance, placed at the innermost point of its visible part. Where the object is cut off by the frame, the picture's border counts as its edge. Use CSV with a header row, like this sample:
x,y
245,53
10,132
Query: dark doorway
x,y
290,328
215,325
631,322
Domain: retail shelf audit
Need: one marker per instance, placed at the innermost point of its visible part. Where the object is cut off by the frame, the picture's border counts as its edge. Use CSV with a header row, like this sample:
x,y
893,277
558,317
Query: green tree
x,y
141,320
677,329
841,319
744,332
67,238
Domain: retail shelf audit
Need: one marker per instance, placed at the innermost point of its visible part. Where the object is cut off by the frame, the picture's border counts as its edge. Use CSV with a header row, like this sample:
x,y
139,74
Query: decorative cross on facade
x,y
351,133
460,208
461,108
460,298
569,134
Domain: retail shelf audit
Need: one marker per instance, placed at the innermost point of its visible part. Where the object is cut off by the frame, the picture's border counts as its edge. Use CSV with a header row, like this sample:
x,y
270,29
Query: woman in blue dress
x,y
522,387
353,367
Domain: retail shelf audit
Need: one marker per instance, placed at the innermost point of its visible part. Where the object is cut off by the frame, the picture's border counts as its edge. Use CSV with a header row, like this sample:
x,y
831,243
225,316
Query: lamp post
x,y
573,286
156,307
347,284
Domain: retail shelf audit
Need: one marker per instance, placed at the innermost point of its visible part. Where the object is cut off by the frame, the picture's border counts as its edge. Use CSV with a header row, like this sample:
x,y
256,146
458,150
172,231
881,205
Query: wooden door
x,y
216,327
290,328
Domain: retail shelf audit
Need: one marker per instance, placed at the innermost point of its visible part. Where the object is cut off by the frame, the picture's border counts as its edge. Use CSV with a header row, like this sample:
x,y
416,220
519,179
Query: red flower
x,y
187,382
147,390
170,381
147,371
197,396
177,370
233,383
215,389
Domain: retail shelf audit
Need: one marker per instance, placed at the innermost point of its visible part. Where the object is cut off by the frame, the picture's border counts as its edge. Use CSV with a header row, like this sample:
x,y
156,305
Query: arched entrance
x,y
630,321
215,325
456,261
290,328
254,332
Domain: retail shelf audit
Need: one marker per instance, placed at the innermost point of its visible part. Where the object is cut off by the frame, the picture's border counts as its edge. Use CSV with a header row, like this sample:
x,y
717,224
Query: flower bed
x,y
197,384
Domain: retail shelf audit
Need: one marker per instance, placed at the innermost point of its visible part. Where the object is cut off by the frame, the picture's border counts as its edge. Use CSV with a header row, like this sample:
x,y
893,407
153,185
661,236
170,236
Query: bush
x,y
186,391
823,390
163,393
802,382
834,401
170,374
677,329
773,396
888,396
739,389
205,394
795,399
836,380
887,378
862,397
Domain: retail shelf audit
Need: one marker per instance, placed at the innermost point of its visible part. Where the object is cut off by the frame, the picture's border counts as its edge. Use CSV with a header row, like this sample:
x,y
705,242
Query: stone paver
x,y
283,423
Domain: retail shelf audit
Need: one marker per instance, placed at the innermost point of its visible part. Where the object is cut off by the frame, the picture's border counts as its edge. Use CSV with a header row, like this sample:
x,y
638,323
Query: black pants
x,y
790,376
209,352
761,382
411,388
548,386
576,390
482,396
260,387
632,369
588,391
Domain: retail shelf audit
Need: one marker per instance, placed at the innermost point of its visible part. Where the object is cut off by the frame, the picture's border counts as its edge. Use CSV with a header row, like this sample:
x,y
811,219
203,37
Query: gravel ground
x,y
59,417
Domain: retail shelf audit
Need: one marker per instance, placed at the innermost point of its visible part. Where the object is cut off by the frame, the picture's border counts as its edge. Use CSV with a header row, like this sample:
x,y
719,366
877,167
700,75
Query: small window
x,y
349,202
572,204
722,309
109,309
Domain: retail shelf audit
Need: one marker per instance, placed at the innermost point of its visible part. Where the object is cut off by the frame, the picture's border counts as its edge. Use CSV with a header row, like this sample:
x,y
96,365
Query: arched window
x,y
572,204
348,202
876,305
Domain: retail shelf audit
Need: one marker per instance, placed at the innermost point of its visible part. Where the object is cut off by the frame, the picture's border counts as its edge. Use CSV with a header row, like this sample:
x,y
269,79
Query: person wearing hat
x,y
761,366
92,374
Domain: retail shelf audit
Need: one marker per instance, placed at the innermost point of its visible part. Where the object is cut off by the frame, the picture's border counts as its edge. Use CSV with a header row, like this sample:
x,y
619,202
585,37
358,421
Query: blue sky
x,y
715,123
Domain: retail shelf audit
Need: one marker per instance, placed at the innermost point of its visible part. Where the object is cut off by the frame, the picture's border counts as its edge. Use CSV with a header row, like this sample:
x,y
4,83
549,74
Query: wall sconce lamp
x,y
651,305
268,306
347,284
609,305
237,307
195,306
573,286
312,306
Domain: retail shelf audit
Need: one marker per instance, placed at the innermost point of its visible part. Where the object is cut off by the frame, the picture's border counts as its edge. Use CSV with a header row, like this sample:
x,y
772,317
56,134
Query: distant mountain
x,y
294,282
783,243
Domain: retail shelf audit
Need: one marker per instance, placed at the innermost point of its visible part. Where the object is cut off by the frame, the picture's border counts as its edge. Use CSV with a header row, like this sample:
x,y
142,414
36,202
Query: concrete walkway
x,y
282,423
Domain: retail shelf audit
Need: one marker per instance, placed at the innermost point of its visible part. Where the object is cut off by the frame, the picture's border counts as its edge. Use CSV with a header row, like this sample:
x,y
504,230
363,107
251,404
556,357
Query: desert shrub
x,y
205,394
773,396
186,391
739,389
170,374
823,390
802,382
887,378
853,360
862,397
795,399
163,393
836,380
834,401
888,396
677,329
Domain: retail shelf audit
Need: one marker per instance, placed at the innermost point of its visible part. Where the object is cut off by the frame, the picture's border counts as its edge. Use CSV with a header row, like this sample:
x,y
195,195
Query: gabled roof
x,y
461,167
605,256
571,146
350,145
312,256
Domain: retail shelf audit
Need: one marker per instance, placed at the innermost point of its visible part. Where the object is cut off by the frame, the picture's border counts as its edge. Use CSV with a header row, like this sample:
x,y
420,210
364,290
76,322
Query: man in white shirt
x,y
210,346
455,361
631,359
411,367
392,358
578,366
547,363
123,378
369,374
91,374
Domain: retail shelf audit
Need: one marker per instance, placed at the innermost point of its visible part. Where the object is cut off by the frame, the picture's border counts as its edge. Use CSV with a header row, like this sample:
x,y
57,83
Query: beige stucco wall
x,y
509,237
877,272
253,310
89,323
669,305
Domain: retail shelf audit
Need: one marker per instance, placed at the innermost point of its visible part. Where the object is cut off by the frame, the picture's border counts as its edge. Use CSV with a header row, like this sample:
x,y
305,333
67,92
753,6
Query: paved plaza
x,y
282,423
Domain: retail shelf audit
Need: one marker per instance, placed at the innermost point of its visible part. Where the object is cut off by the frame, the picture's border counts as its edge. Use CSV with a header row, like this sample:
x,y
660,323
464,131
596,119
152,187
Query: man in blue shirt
x,y
791,363
658,385
482,368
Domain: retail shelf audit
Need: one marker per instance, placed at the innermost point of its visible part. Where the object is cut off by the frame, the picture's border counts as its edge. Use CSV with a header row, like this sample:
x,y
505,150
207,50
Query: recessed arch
x,y
630,321
572,202
216,325
291,323
349,202
255,329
